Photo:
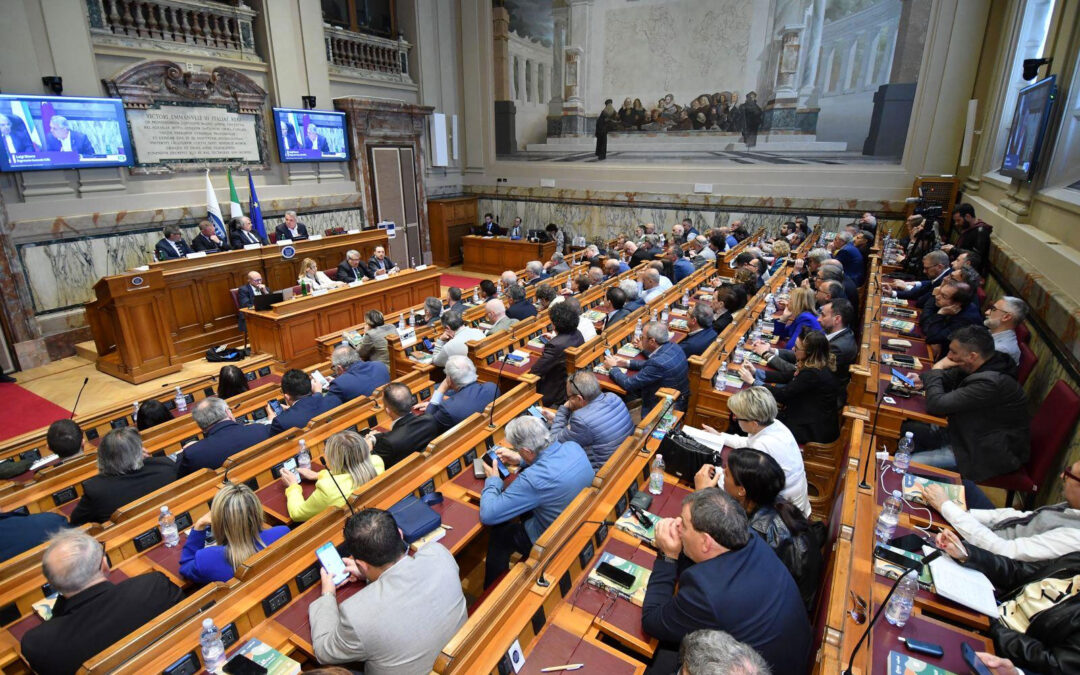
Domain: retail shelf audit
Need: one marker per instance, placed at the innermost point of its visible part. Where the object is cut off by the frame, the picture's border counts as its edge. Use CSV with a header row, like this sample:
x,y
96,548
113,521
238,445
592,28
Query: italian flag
x,y
234,201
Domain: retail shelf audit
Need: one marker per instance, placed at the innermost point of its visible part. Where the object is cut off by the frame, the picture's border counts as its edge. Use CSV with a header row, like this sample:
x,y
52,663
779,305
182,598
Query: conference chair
x,y
1027,363
1023,334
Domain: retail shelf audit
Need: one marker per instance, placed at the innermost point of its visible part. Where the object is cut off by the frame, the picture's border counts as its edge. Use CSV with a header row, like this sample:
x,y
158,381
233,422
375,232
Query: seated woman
x,y
236,518
349,461
551,366
755,480
231,381
801,311
125,474
780,250
316,280
152,413
373,346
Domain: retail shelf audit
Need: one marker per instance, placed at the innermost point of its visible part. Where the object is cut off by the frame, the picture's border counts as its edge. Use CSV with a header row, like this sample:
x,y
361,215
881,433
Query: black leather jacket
x,y
1052,642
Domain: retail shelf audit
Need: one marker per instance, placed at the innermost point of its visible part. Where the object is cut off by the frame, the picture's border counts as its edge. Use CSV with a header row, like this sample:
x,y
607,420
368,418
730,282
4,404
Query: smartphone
x,y
535,411
920,647
290,466
491,459
973,661
615,575
332,563
544,339
320,378
428,344
903,359
275,405
607,353
242,665
888,555
903,378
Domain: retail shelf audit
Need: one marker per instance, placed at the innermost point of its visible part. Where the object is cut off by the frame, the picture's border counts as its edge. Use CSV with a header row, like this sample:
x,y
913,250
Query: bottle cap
x,y
207,622
897,494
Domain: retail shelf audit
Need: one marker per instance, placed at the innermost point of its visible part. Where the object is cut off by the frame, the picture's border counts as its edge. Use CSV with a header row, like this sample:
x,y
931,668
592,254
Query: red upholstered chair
x,y
980,294
1051,429
1027,363
1023,334
235,292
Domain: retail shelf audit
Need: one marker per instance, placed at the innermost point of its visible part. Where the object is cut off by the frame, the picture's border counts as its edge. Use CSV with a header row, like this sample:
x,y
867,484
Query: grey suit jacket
x,y
502,324
397,624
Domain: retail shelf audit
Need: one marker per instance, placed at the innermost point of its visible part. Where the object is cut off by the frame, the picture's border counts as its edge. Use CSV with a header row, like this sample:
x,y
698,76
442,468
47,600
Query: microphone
x,y
873,431
544,583
640,515
78,396
926,559
330,473
491,417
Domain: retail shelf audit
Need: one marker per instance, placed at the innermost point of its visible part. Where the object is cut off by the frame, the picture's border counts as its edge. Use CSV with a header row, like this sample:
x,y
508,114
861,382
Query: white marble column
x,y
558,44
808,93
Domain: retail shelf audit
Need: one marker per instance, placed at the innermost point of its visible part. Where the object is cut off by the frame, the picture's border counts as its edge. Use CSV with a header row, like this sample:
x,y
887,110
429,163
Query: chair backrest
x,y
1027,363
1023,333
235,292
1051,429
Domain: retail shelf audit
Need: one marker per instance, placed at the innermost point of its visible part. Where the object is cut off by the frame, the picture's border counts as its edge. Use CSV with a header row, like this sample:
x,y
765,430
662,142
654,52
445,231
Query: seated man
x,y
172,245
243,235
380,264
208,239
633,296
125,473
254,286
615,306
681,267
454,339
20,532
496,316
92,612
735,583
595,275
597,421
290,229
709,652
453,295
935,266
508,278
556,265
986,408
64,439
830,270
222,437
650,284
703,250
459,394
409,609
353,376
409,432
614,267
520,308
836,318
700,324
552,474
489,228
353,269
1002,318
433,309
546,297
488,290
664,366
534,272
844,250
953,307
303,404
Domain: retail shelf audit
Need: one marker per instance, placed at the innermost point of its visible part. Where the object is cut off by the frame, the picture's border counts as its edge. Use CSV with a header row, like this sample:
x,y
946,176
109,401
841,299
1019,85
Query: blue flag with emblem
x,y
213,210
254,212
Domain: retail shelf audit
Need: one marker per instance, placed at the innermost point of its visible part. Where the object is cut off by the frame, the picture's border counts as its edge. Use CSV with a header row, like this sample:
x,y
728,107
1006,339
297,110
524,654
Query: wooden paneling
x,y
494,255
450,220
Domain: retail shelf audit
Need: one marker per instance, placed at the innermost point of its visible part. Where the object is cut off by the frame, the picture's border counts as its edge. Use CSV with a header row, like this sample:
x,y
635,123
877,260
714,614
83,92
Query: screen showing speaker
x,y
1028,130
311,135
62,132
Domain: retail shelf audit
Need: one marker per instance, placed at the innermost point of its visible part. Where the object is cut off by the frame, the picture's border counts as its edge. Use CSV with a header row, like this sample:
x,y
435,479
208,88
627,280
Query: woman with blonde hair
x,y
781,249
801,311
236,519
316,280
349,462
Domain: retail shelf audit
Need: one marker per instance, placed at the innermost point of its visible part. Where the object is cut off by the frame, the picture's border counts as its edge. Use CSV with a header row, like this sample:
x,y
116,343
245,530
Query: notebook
x,y
629,524
912,489
636,592
962,585
904,664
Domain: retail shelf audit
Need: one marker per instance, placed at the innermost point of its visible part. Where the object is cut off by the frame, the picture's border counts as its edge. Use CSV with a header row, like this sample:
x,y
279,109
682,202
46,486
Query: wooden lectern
x,y
131,332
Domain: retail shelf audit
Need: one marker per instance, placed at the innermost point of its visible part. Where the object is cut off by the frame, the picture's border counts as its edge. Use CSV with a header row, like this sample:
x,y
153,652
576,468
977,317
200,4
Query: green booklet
x,y
912,489
635,593
892,570
631,525
905,664
269,658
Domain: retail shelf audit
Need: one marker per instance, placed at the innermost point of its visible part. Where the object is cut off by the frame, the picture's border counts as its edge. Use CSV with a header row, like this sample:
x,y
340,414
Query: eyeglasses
x,y
573,385
997,309
1065,473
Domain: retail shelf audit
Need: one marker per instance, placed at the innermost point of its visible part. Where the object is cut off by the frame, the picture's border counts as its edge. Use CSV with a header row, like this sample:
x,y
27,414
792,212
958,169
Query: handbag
x,y
684,456
415,518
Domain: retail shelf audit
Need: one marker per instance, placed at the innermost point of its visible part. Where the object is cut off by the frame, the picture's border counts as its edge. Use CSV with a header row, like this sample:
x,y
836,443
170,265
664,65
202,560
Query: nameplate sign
x,y
171,134
315,237
200,254
248,247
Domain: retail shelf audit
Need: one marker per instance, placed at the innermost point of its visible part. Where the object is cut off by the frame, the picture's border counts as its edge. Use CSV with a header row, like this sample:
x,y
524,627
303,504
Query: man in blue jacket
x,y
735,584
597,421
303,404
222,436
353,376
459,395
520,308
664,366
681,267
553,474
936,268
849,257
701,335
953,306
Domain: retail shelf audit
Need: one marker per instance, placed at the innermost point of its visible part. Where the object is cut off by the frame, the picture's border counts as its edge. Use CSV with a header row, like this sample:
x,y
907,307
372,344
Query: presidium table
x,y
147,322
494,255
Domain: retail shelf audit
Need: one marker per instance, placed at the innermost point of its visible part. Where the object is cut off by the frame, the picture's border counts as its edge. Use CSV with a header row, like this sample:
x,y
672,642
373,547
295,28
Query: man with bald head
x,y
496,316
92,612
650,284
245,295
508,279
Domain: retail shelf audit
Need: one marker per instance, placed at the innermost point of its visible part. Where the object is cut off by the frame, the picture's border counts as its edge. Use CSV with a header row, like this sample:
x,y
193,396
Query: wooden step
x,y
87,350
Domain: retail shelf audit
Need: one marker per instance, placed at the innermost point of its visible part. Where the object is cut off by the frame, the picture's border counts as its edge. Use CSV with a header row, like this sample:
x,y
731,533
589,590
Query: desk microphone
x,y
885,603
870,458
78,396
491,417
340,491
641,516
544,583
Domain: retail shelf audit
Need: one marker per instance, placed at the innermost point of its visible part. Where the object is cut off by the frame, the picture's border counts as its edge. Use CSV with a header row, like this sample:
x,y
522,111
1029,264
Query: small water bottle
x,y
686,299
569,286
412,318
401,323
167,525
213,649
135,411
476,296
637,330
720,381
903,600
887,520
181,402
498,287
664,316
902,459
652,317
656,478
412,262
303,458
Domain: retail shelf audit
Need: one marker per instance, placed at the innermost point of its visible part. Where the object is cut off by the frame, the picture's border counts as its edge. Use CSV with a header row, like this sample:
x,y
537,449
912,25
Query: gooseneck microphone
x,y
870,458
544,583
78,396
330,473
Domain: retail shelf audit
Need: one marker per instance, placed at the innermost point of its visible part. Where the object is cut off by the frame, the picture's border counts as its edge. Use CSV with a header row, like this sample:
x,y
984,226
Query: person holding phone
x,y
349,462
303,404
236,519
353,376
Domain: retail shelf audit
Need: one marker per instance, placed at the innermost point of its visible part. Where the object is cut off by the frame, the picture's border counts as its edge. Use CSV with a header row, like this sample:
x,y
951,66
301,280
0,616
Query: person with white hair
x,y
650,284
552,474
125,473
508,279
459,394
62,138
91,612
222,436
1002,318
454,339
534,272
595,275
665,365
353,376
496,316
844,250
702,249
633,295
556,265
520,307
291,229
592,255
711,652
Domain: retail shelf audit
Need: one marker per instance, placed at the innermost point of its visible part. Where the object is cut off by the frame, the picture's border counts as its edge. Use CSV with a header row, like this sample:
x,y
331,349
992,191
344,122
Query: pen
x,y
446,527
569,666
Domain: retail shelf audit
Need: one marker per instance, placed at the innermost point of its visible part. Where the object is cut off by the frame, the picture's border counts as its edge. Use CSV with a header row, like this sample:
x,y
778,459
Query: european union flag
x,y
254,212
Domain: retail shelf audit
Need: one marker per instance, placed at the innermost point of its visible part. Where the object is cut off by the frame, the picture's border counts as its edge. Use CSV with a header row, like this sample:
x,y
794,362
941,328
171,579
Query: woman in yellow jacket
x,y
349,459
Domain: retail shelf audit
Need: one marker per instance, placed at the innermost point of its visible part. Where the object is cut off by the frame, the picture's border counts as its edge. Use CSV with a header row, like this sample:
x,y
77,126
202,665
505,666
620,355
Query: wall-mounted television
x,y
311,135
1028,131
62,132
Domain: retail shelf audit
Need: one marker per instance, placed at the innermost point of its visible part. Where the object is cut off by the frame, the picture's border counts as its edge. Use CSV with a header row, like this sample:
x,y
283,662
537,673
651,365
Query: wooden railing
x,y
367,56
189,22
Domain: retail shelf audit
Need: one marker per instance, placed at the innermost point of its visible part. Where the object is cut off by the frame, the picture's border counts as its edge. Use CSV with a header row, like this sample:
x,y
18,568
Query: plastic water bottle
x,y
498,287
890,515
902,459
303,458
720,381
664,316
902,601
135,411
401,323
167,525
686,299
656,478
412,262
569,286
213,649
412,318
637,330
181,402
476,296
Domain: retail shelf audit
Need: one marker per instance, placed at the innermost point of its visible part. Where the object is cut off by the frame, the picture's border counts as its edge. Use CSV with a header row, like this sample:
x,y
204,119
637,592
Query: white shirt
x,y
651,293
1005,341
586,328
65,144
455,345
975,527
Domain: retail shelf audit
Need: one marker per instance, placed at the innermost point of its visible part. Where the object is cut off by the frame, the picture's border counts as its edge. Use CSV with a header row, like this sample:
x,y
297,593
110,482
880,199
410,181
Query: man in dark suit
x,y
14,137
20,532
172,245
208,239
936,267
453,294
408,432
242,234
254,286
701,333
303,404
290,229
380,264
849,256
222,437
520,308
616,299
459,395
735,583
61,138
353,376
489,228
352,268
124,475
831,270
92,612
313,140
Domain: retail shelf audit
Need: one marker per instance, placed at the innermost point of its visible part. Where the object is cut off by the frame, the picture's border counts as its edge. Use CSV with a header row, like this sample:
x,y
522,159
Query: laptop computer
x,y
263,302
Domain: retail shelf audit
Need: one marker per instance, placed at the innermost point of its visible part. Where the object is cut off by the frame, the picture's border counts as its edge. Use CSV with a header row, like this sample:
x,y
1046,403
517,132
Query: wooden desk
x,y
494,255
288,331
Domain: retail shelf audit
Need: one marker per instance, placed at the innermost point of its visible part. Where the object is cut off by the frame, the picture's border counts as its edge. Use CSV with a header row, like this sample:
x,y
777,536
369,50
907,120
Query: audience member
x,y
488,290
20,532
520,307
729,299
222,436
303,404
615,306
353,268
231,381
701,334
630,289
1002,318
780,250
453,295
349,465
496,316
704,250
125,473
454,339
844,250
551,366
373,346
953,307
597,421
800,312
650,284
974,234
714,652
353,376
830,270
408,433
809,395
459,394
152,412
534,272
935,265
681,267
64,439
664,366
433,309
556,265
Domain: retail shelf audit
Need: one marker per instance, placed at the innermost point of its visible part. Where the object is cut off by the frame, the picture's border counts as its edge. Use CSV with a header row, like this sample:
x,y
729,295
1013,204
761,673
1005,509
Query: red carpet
x,y
24,411
463,283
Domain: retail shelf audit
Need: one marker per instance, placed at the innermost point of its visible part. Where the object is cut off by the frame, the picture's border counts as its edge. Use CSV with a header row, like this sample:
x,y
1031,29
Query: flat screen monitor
x,y
311,135
62,132
1028,130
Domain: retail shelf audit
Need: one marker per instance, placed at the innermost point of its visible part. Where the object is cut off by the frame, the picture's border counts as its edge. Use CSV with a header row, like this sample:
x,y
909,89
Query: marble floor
x,y
714,157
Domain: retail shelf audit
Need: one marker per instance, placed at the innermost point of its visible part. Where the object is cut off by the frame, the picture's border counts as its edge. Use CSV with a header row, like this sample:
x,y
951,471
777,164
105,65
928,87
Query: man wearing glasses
x,y
1002,318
